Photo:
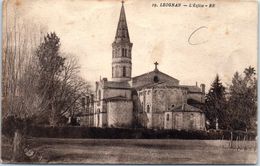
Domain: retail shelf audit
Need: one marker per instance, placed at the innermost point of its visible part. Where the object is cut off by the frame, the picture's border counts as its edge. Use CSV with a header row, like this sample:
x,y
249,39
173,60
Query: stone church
x,y
151,100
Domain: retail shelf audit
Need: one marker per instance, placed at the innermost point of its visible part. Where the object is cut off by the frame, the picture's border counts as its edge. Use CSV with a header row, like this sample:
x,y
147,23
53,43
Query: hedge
x,y
125,133
8,127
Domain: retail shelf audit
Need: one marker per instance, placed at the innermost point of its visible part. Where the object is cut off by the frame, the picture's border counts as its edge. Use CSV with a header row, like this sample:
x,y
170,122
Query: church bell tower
x,y
122,51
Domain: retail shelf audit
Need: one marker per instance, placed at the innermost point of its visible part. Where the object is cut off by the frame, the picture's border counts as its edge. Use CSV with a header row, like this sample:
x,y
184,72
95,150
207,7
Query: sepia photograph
x,y
129,82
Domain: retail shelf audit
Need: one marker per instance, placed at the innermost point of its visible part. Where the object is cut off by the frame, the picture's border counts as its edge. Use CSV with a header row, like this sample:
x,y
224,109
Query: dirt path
x,y
137,151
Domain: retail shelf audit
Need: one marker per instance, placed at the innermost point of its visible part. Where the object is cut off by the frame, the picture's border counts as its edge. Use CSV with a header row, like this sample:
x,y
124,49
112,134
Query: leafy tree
x,y
51,64
215,104
43,87
242,103
60,87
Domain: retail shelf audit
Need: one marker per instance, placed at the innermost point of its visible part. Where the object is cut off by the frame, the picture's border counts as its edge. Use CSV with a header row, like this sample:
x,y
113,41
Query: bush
x,y
124,133
11,123
8,126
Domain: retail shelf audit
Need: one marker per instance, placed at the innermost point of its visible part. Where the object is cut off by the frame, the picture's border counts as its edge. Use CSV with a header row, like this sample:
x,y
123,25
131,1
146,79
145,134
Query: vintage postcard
x,y
129,82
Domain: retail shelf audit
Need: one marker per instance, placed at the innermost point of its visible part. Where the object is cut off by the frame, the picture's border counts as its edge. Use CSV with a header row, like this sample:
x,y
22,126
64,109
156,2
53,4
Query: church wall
x,y
149,79
184,120
98,104
177,120
101,105
140,101
145,107
158,100
145,97
158,120
165,98
188,120
203,121
95,116
103,119
168,120
176,96
86,120
117,69
149,120
120,114
100,111
100,119
142,119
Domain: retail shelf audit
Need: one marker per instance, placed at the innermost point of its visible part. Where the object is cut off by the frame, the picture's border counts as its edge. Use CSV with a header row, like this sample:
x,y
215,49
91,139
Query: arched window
x,y
117,52
155,79
112,71
167,117
87,101
124,71
98,117
129,52
148,109
99,95
125,50
83,102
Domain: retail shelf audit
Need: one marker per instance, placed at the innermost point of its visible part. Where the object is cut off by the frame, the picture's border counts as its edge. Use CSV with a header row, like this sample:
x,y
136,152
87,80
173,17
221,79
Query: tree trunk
x,y
18,146
53,120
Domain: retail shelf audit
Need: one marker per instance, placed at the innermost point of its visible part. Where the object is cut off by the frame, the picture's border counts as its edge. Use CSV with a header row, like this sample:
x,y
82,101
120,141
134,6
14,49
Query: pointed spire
x,y
122,29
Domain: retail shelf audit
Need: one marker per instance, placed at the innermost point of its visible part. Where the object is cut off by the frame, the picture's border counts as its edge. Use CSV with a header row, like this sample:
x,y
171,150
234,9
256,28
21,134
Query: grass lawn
x,y
135,151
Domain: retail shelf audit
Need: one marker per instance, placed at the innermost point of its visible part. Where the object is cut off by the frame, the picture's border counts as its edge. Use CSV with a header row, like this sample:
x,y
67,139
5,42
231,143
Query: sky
x,y
190,44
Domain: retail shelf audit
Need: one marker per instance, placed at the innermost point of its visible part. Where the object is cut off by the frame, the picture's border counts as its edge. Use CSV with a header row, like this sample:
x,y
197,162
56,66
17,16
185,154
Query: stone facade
x,y
152,100
153,77
119,113
184,117
155,99
111,97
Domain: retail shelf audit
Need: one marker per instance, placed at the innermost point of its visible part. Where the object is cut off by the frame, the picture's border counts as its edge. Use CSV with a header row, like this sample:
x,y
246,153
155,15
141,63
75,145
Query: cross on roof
x,y
156,64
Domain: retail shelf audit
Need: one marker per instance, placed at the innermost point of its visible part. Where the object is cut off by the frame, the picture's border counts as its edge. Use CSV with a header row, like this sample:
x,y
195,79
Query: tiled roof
x,y
157,72
192,101
160,84
192,88
185,108
122,29
118,85
116,98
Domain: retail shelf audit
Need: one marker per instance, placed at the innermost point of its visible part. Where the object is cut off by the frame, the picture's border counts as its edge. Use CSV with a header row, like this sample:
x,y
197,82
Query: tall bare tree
x,y
22,78
20,40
